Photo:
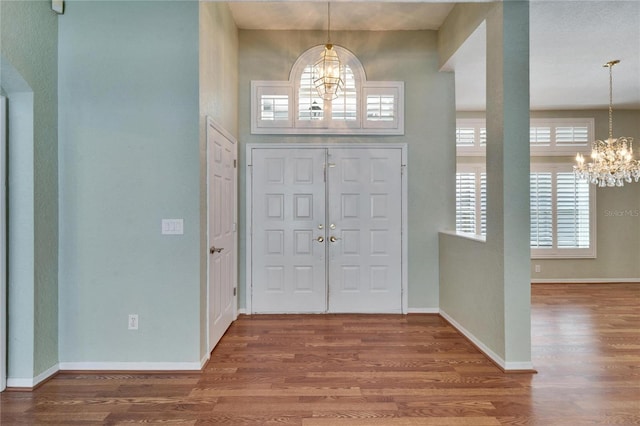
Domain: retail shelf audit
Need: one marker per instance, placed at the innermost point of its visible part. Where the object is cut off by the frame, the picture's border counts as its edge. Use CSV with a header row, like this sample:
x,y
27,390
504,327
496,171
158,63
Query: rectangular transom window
x,y
274,107
547,137
380,108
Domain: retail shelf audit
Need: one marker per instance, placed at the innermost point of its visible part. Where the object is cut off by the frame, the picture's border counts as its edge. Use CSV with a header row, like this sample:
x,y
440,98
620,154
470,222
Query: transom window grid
x,y
363,107
547,137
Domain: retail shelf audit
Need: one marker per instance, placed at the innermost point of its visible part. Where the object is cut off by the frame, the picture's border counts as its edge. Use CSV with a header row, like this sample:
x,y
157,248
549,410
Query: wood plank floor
x,y
377,370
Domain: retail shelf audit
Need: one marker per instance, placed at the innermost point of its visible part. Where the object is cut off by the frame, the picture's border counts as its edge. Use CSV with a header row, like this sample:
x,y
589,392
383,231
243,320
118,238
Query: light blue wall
x,y
409,56
129,157
218,100
485,286
28,73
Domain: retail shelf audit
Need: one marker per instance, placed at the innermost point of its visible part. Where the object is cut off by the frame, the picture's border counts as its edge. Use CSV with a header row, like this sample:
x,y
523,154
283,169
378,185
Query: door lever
x,y
213,249
333,239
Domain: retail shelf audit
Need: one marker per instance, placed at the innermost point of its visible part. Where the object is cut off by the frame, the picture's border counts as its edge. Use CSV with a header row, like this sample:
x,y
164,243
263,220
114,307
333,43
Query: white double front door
x,y
326,229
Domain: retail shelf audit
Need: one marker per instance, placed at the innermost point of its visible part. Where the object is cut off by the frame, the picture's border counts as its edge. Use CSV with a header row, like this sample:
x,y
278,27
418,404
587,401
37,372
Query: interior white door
x,y
222,198
365,230
288,231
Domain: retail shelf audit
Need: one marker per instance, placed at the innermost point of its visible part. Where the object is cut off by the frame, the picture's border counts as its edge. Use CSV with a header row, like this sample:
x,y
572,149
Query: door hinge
x,y
235,163
235,290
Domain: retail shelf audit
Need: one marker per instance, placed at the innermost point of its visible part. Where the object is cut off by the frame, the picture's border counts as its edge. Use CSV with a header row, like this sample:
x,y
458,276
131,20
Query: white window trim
x,y
294,126
552,149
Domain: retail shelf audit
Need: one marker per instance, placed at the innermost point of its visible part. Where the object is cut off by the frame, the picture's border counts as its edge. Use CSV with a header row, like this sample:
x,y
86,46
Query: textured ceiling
x,y
570,40
344,15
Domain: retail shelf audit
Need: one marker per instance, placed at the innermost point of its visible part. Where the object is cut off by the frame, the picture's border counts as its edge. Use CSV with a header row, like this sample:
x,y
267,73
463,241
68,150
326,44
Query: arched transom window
x,y
294,106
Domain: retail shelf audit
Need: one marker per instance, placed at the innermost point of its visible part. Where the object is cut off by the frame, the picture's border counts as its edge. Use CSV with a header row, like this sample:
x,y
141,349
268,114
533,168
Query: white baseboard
x,y
204,360
506,366
423,311
583,280
132,366
242,311
15,382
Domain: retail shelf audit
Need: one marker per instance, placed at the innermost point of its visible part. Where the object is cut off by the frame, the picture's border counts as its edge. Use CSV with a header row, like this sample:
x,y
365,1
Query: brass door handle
x,y
320,239
333,239
213,249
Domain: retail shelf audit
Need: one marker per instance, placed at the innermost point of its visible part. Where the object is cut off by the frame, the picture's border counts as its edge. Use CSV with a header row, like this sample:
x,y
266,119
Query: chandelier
x,y
612,160
327,71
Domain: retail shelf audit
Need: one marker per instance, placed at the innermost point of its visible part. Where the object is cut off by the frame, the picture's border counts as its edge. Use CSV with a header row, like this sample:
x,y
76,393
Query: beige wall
x,y
617,210
409,56
617,216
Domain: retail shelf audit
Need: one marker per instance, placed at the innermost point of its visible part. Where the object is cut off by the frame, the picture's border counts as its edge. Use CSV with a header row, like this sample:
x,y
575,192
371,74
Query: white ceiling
x,y
570,41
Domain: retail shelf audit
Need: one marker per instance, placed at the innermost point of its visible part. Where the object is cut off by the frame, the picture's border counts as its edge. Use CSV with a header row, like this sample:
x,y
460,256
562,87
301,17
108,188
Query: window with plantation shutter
x,y
540,136
572,207
562,223
274,107
465,137
541,210
466,202
562,213
310,105
345,106
471,200
471,137
483,204
380,108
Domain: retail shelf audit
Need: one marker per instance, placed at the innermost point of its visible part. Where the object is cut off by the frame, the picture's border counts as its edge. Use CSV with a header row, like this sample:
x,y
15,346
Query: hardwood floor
x,y
377,370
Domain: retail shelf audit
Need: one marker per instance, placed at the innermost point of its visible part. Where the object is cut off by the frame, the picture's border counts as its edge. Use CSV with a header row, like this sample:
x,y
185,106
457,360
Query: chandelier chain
x,y
610,65
329,23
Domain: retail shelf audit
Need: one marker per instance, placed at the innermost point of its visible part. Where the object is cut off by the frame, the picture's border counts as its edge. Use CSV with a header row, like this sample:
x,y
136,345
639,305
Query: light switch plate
x,y
172,226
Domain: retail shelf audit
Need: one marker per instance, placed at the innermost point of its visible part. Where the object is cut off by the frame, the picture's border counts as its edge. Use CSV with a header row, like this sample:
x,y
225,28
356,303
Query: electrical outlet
x,y
537,268
133,321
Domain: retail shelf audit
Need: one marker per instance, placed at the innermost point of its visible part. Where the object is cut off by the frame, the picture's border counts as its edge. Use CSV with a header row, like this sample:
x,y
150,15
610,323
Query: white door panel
x,y
288,216
221,158
365,201
351,198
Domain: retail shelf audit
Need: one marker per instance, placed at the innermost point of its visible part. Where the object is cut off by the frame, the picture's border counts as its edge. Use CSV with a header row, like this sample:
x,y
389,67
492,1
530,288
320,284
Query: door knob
x,y
213,249
333,239
320,239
